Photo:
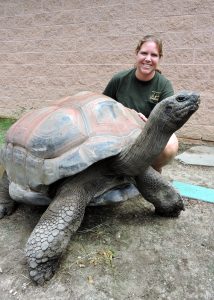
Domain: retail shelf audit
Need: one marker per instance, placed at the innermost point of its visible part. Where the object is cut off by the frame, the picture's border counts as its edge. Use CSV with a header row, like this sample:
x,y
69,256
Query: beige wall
x,y
53,48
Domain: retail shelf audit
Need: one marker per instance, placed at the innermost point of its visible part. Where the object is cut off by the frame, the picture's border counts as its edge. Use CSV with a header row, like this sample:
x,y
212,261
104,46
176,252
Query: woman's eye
x,y
146,53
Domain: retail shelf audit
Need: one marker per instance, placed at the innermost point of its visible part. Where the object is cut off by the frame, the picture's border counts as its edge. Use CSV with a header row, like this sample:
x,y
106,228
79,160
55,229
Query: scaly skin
x,y
62,219
167,117
64,215
53,232
166,200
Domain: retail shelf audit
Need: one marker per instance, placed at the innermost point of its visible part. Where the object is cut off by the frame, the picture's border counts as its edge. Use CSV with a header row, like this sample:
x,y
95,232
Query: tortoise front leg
x,y
155,189
7,205
53,232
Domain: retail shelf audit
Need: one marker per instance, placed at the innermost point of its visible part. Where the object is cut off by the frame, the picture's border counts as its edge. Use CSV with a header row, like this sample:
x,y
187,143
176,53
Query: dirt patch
x,y
121,252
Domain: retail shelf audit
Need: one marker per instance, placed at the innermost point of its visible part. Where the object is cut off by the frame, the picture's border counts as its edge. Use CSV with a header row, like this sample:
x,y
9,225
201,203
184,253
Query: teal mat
x,y
194,191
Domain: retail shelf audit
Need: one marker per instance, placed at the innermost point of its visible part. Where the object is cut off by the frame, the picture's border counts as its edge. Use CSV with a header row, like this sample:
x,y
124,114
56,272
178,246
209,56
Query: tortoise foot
x,y
43,271
7,204
171,211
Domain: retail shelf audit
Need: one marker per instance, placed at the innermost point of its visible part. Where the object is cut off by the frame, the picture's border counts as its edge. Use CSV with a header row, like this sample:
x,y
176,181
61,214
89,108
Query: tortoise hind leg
x,y
53,232
7,205
155,189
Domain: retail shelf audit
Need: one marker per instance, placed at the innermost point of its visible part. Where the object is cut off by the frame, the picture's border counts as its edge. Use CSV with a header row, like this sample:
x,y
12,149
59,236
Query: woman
x,y
142,87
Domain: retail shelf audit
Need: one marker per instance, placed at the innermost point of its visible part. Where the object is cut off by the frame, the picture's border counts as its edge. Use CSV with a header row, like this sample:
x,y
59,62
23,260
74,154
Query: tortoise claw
x,y
43,271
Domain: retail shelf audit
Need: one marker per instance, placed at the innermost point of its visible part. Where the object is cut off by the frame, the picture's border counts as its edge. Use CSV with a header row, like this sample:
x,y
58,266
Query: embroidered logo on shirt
x,y
155,96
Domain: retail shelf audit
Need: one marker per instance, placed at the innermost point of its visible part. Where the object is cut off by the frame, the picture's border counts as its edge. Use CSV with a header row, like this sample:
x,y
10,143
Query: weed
x,y
5,124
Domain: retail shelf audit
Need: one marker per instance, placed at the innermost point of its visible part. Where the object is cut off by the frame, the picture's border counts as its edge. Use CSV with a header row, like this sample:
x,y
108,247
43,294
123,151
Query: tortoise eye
x,y
180,98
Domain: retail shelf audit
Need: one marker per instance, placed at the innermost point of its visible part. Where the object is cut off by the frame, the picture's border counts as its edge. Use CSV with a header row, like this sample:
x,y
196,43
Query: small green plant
x,y
5,123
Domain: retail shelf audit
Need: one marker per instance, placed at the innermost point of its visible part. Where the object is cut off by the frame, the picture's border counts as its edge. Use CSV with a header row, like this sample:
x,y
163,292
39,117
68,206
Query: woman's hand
x,y
144,118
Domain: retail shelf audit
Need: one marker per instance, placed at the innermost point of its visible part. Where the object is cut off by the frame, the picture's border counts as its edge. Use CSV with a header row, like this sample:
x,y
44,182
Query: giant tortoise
x,y
71,153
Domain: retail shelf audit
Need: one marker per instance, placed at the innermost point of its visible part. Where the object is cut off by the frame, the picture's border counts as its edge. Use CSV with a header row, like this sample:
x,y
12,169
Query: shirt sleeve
x,y
167,91
111,88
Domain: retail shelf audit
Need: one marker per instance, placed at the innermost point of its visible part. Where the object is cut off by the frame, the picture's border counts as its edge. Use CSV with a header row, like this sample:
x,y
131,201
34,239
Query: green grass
x,y
5,123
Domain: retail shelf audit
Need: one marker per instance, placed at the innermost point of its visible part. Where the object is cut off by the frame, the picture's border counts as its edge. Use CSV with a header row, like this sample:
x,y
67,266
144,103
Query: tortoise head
x,y
173,112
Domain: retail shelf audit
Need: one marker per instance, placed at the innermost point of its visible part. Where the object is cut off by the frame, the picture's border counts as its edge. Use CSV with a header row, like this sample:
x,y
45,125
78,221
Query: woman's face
x,y
147,60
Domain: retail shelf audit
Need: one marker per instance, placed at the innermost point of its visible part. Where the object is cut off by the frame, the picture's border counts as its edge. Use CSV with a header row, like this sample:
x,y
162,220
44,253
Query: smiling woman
x,y
143,86
148,54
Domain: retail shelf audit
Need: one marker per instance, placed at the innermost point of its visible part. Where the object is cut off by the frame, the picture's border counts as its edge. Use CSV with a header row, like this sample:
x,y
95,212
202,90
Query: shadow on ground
x,y
121,252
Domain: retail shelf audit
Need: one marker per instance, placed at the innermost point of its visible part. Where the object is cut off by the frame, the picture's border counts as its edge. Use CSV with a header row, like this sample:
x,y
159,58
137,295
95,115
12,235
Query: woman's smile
x,y
147,60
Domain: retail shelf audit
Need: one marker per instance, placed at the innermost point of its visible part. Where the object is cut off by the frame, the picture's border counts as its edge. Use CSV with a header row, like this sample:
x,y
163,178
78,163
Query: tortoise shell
x,y
66,137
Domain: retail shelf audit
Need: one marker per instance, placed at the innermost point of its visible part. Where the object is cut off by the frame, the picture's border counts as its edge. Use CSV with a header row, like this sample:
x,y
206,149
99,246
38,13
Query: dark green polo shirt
x,y
141,96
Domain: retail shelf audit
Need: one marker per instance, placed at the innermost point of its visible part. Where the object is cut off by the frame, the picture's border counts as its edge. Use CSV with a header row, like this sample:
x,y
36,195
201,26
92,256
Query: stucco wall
x,y
53,48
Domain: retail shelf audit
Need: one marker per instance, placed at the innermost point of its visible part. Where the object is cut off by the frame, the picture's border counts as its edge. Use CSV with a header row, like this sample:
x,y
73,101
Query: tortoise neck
x,y
149,144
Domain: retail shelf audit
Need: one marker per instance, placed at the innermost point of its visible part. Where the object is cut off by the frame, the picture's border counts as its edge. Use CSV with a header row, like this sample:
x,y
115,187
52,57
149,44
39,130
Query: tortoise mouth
x,y
188,109
190,104
185,112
